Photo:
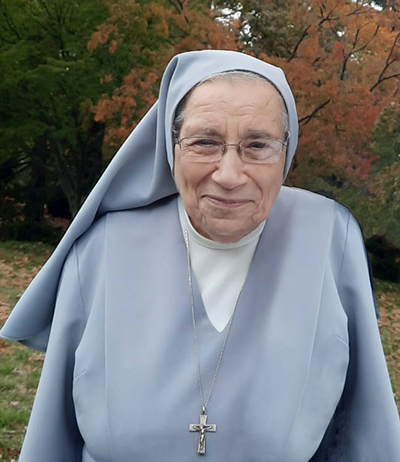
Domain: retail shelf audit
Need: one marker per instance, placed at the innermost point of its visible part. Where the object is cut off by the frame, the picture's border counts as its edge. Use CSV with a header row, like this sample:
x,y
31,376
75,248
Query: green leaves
x,y
46,76
387,136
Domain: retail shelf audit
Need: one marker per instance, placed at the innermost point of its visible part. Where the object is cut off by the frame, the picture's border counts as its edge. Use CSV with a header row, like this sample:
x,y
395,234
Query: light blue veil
x,y
138,175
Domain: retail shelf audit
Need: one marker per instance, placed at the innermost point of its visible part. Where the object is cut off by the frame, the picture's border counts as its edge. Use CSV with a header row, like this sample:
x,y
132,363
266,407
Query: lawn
x,y
20,367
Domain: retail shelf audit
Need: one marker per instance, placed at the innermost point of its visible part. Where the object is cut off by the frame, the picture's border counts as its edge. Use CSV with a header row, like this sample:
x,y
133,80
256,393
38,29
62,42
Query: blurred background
x,y
76,76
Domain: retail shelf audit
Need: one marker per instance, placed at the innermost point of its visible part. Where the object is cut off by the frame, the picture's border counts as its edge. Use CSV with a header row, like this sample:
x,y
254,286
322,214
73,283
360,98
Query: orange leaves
x,y
106,79
148,34
113,47
127,105
371,116
363,168
338,52
331,89
158,17
105,110
200,28
102,36
131,78
336,60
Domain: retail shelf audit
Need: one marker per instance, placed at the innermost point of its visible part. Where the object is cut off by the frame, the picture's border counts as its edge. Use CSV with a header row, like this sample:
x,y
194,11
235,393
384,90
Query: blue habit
x,y
303,377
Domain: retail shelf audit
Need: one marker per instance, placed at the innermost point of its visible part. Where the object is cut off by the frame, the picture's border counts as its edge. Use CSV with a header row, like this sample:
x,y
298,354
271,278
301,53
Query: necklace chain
x,y
202,402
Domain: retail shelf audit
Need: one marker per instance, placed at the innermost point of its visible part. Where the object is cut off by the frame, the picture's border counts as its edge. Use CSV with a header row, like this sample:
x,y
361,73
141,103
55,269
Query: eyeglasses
x,y
254,151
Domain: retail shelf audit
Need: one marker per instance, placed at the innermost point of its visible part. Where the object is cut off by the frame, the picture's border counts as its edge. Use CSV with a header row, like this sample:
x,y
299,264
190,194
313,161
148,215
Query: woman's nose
x,y
230,170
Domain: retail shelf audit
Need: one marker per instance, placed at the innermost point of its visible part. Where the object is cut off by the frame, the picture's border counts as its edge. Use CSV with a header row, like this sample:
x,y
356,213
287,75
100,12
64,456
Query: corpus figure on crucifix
x,y
202,427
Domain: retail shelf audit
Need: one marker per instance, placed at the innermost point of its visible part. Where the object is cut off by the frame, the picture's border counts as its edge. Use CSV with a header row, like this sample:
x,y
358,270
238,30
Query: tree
x,y
342,61
150,33
45,129
55,70
386,189
386,144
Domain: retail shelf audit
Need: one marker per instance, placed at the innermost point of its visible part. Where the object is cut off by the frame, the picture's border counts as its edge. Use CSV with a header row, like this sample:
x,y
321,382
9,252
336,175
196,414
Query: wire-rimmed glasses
x,y
211,149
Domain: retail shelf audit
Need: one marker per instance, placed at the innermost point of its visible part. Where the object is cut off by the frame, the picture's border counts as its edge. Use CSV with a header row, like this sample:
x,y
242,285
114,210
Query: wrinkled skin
x,y
228,199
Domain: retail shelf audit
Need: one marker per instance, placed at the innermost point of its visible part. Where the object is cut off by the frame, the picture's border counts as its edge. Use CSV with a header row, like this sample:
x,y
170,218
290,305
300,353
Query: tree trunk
x,y
36,190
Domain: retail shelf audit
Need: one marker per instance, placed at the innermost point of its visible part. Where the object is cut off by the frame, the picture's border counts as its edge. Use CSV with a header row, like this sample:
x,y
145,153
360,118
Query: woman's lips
x,y
226,203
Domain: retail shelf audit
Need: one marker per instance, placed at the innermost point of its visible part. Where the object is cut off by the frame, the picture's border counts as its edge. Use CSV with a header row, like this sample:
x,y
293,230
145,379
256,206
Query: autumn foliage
x,y
344,68
151,33
342,59
90,76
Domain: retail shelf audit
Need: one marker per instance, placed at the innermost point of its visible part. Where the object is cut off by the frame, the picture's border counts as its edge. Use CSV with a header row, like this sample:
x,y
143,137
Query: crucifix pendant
x,y
202,427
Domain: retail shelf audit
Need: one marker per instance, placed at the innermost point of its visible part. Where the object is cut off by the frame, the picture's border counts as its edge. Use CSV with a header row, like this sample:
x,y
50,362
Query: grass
x,y
20,367
388,298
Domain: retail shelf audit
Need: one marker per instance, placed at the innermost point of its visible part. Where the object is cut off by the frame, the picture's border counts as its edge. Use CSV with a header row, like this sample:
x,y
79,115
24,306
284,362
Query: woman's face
x,y
226,200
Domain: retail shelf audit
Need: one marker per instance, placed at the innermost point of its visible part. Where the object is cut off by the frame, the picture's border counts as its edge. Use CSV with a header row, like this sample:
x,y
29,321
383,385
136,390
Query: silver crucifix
x,y
202,427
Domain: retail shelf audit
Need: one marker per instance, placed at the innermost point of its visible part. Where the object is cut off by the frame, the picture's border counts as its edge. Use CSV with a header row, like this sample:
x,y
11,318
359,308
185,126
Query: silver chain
x,y
202,403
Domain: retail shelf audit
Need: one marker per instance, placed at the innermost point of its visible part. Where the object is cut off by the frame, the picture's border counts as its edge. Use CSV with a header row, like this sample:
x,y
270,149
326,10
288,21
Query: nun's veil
x,y
139,174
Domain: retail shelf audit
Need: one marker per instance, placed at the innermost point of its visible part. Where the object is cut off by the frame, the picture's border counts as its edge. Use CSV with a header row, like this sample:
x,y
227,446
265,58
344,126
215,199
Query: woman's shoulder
x,y
94,239
317,213
309,199
316,204
120,228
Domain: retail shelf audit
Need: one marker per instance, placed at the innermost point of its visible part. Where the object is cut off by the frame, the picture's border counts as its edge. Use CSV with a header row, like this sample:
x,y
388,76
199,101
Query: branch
x,y
16,170
389,62
45,8
370,40
319,59
383,79
327,18
62,14
67,180
179,10
43,17
362,47
360,10
394,95
303,36
316,60
346,59
307,119
20,163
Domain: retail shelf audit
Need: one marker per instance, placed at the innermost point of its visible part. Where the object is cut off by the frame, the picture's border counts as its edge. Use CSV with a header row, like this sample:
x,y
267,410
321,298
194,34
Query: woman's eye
x,y
206,142
257,145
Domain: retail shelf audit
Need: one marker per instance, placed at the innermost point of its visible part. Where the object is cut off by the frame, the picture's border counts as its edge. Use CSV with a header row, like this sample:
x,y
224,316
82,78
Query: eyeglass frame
x,y
239,149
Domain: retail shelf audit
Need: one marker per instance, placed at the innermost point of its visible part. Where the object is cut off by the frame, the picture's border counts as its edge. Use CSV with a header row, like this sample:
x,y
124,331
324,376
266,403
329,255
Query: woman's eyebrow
x,y
206,131
250,133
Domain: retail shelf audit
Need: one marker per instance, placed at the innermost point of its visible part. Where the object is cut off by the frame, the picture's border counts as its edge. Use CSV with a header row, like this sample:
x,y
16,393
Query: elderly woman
x,y
233,320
